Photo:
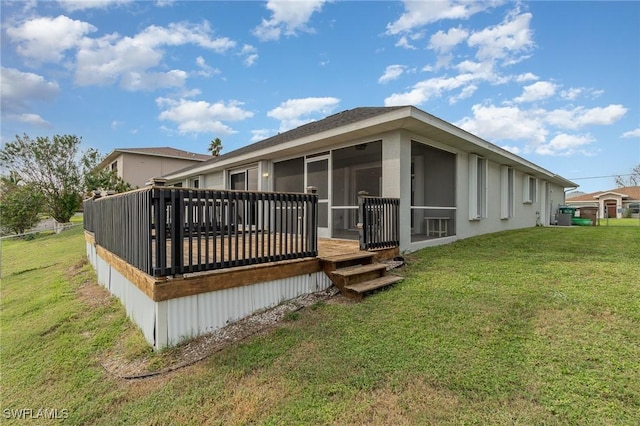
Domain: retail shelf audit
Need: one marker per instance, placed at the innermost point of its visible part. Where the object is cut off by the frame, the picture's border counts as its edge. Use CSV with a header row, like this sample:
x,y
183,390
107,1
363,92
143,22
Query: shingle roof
x,y
331,122
166,151
633,192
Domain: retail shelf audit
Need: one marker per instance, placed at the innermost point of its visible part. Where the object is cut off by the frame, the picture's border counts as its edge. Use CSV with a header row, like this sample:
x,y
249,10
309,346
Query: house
x,y
613,203
451,184
136,165
320,205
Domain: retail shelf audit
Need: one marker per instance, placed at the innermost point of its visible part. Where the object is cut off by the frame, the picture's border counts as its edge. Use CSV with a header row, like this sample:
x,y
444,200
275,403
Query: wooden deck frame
x,y
166,288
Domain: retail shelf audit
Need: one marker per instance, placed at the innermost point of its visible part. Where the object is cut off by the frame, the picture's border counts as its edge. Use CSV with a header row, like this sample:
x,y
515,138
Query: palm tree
x,y
215,147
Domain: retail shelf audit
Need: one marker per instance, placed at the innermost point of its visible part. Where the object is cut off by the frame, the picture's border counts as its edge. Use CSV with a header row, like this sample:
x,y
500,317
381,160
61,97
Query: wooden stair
x,y
356,274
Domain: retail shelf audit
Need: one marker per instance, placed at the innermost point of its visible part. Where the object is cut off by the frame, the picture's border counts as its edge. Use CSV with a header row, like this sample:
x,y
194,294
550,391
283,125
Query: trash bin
x,y
567,210
565,215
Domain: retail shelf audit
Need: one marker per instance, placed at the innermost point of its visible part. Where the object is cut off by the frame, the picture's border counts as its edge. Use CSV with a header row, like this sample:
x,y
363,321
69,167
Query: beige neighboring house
x,y
137,165
612,203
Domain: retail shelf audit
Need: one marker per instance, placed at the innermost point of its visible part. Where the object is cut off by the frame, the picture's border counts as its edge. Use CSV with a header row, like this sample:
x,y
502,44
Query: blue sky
x,y
557,83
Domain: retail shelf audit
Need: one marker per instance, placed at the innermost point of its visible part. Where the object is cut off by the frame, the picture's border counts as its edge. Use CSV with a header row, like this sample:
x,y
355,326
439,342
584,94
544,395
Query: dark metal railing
x,y
378,222
172,231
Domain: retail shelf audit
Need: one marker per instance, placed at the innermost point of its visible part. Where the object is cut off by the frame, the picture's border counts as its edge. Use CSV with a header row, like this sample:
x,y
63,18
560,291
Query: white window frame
x,y
529,190
478,177
507,192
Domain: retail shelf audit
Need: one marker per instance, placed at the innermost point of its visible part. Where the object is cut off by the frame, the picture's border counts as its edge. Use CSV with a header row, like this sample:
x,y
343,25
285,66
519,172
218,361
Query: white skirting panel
x,y
171,321
195,315
140,308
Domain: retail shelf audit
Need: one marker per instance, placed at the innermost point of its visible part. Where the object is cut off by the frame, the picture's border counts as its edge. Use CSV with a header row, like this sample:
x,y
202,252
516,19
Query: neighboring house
x,y
612,203
451,184
137,165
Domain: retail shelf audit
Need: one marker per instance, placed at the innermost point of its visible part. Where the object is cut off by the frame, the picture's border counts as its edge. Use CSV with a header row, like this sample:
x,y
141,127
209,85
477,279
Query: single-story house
x,y
451,184
220,239
613,203
136,165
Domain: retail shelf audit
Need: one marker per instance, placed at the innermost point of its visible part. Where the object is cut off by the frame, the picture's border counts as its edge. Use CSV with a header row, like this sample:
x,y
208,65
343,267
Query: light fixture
x,y
265,174
361,147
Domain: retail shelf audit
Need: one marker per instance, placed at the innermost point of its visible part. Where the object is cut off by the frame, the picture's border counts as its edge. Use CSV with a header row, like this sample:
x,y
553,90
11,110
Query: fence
x,y
379,222
172,231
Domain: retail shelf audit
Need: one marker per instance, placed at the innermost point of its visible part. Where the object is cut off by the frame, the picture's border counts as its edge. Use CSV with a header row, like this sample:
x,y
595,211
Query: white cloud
x,y
295,112
111,58
249,54
75,5
115,124
392,72
536,91
465,93
420,13
532,126
523,78
149,81
635,133
47,39
205,70
564,145
260,134
429,89
508,123
202,116
444,42
404,43
19,89
504,41
30,119
287,17
580,116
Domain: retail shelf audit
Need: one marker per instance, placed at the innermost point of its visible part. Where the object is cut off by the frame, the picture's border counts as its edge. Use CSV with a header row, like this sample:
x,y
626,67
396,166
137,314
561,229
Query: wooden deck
x,y
226,249
165,288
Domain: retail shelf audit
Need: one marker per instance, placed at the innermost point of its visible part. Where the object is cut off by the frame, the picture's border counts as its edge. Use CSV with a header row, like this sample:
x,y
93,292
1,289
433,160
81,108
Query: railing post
x,y
177,230
363,223
312,233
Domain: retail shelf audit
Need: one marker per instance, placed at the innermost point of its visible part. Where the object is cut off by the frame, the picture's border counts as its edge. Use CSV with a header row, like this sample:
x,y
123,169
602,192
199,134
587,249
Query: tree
x,y
20,205
101,179
632,179
52,166
215,146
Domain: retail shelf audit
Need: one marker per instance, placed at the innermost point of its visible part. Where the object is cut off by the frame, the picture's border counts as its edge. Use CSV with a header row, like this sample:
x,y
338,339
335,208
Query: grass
x,y
628,221
537,326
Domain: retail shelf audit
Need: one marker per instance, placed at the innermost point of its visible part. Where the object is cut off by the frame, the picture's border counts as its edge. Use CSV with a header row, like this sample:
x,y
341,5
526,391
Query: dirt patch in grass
x,y
411,402
152,364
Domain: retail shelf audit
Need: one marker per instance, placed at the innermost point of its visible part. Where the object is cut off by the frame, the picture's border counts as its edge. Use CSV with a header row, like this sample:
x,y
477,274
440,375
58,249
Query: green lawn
x,y
538,326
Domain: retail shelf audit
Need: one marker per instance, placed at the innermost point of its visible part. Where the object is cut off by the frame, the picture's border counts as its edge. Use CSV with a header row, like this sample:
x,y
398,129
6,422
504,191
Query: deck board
x,y
255,245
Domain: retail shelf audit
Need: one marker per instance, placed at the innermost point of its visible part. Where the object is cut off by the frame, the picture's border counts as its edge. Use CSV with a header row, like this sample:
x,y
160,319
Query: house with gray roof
x,y
137,165
451,184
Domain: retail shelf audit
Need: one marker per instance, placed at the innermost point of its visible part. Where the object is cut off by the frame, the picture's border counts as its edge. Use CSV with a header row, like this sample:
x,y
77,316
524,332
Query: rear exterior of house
x,y
216,241
136,165
450,183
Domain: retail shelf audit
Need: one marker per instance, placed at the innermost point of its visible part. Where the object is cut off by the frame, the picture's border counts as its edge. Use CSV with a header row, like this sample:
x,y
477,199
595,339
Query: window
x,y
529,190
114,166
477,187
506,192
288,176
195,183
244,180
634,208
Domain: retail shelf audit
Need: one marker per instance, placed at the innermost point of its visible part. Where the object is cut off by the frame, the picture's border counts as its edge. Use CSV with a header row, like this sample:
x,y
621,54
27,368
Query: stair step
x,y
359,270
361,255
373,284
